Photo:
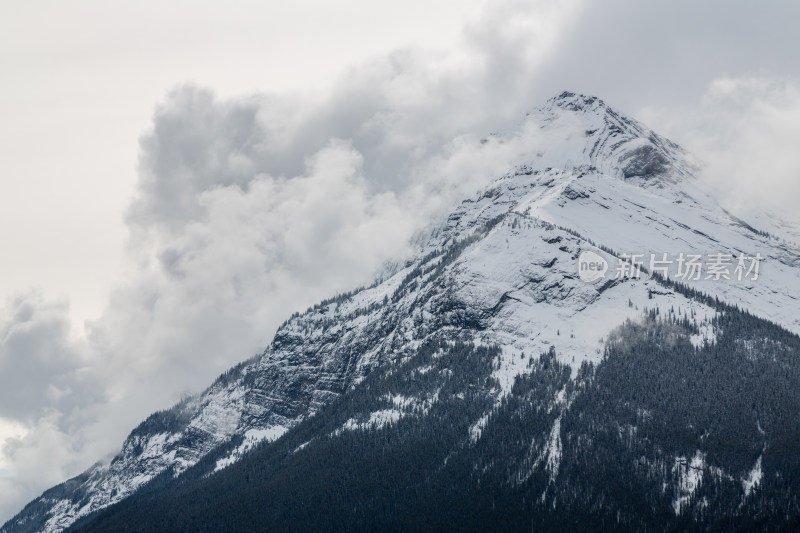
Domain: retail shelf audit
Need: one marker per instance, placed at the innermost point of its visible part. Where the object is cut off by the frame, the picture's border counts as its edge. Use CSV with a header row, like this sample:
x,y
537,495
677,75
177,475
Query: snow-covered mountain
x,y
500,271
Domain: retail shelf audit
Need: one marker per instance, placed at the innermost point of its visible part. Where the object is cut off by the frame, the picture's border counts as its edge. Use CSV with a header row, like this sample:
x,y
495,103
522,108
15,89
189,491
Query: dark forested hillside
x,y
665,434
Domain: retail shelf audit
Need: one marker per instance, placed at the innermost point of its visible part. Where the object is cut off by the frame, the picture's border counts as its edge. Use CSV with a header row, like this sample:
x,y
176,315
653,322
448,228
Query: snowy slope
x,y
500,270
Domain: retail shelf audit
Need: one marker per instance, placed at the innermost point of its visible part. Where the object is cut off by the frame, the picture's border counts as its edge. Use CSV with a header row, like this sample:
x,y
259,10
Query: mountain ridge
x,y
499,271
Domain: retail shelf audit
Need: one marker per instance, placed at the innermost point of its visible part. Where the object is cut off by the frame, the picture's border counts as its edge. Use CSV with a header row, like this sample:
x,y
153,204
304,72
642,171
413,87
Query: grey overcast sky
x,y
176,178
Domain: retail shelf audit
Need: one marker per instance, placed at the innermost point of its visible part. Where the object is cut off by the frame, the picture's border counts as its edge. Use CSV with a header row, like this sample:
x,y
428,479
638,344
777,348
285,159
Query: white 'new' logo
x,y
591,266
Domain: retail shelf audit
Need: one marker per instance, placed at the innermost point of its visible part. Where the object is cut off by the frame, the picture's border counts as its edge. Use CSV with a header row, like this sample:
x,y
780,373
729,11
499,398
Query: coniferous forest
x,y
664,434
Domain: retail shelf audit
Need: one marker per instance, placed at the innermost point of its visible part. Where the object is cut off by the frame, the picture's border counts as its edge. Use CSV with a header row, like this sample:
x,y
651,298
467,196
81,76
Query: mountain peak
x,y
587,131
577,101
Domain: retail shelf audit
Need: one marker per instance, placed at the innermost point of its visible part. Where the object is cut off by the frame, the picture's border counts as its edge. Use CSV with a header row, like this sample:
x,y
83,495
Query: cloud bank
x,y
250,208
744,130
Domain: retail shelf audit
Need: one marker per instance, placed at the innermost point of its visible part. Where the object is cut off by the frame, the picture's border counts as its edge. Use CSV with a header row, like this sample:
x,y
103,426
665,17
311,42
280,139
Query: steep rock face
x,y
501,271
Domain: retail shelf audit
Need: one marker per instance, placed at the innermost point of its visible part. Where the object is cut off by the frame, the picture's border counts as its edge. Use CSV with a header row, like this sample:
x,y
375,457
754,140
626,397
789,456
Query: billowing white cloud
x,y
41,366
48,390
744,130
212,292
